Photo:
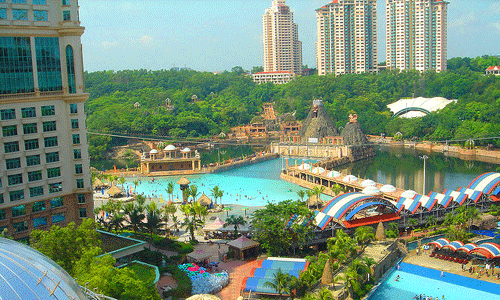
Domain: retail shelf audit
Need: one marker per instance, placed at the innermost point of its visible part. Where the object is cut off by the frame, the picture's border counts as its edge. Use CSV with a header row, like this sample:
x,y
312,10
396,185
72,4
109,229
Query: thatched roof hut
x,y
327,277
97,183
318,124
380,233
314,201
204,200
183,181
114,191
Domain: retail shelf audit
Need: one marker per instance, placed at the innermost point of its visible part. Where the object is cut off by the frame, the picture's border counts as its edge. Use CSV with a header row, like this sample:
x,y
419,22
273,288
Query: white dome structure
x,y
418,107
368,182
387,188
332,174
408,194
186,150
154,151
170,148
305,166
28,274
350,178
371,190
318,170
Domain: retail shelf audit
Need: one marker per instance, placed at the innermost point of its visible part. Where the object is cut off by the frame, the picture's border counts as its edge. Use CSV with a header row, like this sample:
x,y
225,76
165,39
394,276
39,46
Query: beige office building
x,y
416,34
347,37
282,48
44,159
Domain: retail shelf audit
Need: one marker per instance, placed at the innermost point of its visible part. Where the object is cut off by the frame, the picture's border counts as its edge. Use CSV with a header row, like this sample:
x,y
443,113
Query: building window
x,y
20,14
48,63
70,67
36,191
16,74
3,13
56,202
76,139
38,206
50,141
19,1
7,114
2,215
77,153
55,187
81,198
16,195
40,2
52,157
65,2
53,172
40,15
78,169
11,147
9,130
33,160
20,226
48,110
74,124
30,128
28,112
73,108
83,212
34,176
15,179
1,198
58,218
66,15
37,222
31,144
13,163
79,184
49,126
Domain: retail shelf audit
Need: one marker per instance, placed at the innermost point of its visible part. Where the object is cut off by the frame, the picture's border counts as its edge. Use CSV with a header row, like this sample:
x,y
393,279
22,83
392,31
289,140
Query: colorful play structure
x,y
202,281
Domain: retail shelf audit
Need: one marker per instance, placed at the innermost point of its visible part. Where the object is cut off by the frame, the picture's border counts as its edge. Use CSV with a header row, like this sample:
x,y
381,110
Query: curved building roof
x,y
418,107
27,274
485,182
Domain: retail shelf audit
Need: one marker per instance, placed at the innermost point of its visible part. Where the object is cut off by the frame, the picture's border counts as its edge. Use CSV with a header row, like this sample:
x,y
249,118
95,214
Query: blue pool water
x,y
429,282
253,185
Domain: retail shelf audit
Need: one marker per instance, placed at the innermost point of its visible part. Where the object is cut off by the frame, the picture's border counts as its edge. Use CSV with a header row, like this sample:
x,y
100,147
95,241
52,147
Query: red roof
x,y
494,68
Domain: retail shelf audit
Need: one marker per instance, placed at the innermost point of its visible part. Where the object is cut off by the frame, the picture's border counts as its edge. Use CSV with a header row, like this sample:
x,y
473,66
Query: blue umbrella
x,y
102,191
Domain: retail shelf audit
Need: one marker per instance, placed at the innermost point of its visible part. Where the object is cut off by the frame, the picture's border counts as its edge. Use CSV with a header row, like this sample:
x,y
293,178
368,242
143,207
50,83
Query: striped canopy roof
x,y
425,201
467,247
410,204
453,245
440,243
485,182
489,250
322,219
473,195
457,197
339,205
442,199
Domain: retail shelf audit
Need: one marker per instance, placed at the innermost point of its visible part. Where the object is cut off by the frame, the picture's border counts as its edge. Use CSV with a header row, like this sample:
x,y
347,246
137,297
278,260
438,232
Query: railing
x,y
94,296
32,94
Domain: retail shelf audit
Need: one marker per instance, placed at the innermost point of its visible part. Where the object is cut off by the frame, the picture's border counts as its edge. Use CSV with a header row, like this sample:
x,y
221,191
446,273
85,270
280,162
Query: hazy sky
x,y
213,35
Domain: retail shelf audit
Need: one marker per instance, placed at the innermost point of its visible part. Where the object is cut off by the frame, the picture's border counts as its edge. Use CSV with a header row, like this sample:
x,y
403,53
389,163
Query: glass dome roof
x,y
27,274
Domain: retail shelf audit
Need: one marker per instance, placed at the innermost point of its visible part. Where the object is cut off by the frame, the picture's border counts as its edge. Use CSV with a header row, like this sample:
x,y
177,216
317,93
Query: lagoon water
x,y
257,184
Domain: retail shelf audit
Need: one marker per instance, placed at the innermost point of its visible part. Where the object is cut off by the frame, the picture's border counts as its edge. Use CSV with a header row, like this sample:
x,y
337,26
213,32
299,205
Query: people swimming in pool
x,y
397,278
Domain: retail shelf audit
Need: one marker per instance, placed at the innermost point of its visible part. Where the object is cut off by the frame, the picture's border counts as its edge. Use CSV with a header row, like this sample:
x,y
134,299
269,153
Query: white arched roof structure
x,y
418,107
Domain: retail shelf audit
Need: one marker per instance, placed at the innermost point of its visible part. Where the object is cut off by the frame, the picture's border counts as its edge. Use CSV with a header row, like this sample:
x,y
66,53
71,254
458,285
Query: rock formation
x,y
352,133
318,124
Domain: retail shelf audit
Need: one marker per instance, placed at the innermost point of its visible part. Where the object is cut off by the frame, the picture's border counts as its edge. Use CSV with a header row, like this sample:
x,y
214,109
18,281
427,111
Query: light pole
x,y
424,157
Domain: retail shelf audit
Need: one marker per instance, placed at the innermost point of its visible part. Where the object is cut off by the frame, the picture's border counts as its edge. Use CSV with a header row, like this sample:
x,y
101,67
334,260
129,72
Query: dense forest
x,y
205,104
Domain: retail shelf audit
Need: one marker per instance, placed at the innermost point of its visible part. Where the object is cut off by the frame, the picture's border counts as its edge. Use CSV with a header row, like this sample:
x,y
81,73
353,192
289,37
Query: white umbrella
x,y
371,190
318,170
350,178
387,188
332,174
368,182
408,194
305,166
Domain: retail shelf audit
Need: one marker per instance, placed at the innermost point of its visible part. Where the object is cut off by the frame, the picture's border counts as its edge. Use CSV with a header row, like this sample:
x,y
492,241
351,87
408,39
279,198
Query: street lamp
x,y
424,157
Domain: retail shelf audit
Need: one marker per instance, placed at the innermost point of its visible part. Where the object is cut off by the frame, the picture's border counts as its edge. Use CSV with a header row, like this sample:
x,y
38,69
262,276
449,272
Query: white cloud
x,y
146,40
462,20
108,45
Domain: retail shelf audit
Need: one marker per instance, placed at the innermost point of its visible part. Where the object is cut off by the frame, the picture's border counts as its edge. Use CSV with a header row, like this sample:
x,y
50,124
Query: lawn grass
x,y
144,273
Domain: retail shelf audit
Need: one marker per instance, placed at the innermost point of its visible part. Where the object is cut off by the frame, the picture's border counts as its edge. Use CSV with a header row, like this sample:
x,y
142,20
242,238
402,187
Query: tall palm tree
x,y
170,190
301,195
235,221
193,192
363,234
135,214
412,222
431,221
121,180
193,220
215,193
325,294
318,190
136,183
336,189
279,282
153,218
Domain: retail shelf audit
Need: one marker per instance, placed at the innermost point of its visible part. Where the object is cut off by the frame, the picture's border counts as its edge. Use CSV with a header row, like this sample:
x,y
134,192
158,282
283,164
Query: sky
x,y
216,35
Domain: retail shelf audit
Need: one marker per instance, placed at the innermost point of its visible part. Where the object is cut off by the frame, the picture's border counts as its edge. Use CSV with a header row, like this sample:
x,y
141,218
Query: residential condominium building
x,y
44,159
347,37
416,34
282,48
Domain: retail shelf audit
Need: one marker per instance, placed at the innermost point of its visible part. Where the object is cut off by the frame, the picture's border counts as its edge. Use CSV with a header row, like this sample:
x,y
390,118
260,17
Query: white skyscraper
x,y
416,34
282,48
347,37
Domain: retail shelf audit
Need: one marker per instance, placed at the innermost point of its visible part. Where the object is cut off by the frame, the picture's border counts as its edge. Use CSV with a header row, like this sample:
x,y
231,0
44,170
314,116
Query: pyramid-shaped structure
x,y
318,124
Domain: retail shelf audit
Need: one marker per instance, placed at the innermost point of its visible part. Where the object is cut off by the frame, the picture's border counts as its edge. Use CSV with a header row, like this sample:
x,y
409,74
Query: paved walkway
x,y
237,270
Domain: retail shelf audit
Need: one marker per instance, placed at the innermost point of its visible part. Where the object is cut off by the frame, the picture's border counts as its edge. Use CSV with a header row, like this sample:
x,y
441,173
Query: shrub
x,y
183,289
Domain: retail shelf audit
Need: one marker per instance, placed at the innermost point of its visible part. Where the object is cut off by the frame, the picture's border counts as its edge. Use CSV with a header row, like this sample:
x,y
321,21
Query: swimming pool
x,y
429,282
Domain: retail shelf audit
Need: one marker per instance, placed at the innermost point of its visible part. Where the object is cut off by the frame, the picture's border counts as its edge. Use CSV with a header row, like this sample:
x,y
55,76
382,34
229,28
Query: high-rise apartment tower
x,y
280,38
44,160
416,33
347,37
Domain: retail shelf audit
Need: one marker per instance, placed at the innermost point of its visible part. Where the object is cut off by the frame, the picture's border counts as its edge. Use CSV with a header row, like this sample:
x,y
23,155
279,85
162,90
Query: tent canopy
x,y
114,191
243,243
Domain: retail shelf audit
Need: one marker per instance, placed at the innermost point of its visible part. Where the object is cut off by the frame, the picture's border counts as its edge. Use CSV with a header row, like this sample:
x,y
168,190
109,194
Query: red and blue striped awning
x,y
440,243
453,245
485,182
442,199
490,250
457,197
497,191
322,219
473,195
410,204
467,247
339,205
425,201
